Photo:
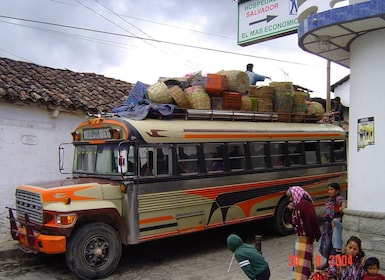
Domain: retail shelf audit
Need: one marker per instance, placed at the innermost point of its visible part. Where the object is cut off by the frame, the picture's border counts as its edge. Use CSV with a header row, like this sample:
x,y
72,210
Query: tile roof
x,y
30,83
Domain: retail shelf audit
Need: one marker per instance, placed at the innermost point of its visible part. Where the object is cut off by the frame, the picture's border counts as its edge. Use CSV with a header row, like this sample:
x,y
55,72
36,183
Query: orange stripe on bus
x,y
248,204
156,219
212,193
260,135
59,193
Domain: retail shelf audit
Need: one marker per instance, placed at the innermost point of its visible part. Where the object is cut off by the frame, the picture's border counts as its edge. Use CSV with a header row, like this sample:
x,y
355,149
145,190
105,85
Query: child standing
x,y
331,240
372,265
348,266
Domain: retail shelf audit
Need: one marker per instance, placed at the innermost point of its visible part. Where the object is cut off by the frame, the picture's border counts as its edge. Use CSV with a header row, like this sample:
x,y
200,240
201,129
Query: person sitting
x,y
372,265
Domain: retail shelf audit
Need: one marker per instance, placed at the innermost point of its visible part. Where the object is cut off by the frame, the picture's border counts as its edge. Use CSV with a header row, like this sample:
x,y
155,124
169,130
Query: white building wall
x,y
343,91
367,99
29,141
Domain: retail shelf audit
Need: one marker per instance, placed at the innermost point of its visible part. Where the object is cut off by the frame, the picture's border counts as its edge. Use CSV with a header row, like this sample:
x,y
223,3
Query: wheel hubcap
x,y
96,252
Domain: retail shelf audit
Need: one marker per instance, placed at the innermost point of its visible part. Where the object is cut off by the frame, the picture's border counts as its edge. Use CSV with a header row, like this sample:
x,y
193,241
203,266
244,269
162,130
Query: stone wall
x,y
370,228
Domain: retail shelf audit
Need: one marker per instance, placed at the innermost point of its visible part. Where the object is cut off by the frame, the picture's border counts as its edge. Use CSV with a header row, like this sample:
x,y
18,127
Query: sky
x,y
137,40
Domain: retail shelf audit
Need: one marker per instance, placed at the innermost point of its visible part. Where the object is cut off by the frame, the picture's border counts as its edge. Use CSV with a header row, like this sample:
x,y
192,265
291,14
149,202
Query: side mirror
x,y
122,168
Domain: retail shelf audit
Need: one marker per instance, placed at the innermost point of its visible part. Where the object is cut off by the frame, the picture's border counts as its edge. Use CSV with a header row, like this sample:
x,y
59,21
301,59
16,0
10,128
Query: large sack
x,y
237,81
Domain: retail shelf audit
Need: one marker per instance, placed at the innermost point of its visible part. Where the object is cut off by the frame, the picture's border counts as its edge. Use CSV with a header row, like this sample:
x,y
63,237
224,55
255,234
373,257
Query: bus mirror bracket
x,y
63,169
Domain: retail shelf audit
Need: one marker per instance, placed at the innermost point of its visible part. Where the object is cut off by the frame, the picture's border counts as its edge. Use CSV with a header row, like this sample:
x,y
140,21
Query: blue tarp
x,y
141,110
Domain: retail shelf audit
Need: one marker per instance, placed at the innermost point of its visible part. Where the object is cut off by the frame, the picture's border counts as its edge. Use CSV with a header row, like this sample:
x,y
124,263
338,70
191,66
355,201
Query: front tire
x,y
94,251
282,219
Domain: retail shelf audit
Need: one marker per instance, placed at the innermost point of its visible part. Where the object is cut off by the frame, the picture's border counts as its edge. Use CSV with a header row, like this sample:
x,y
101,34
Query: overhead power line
x,y
152,40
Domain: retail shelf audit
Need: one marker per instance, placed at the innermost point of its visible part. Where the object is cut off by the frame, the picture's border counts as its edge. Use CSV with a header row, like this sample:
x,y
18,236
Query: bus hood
x,y
75,189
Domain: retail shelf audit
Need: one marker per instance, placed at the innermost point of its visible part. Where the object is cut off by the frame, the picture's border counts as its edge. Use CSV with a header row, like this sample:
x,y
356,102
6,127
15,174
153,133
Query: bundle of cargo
x,y
216,83
314,111
299,106
246,104
136,94
158,93
261,98
180,97
231,100
262,92
198,97
237,81
283,99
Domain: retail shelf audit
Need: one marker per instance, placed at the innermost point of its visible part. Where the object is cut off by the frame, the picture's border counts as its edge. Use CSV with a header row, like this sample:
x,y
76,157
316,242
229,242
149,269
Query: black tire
x,y
282,219
94,251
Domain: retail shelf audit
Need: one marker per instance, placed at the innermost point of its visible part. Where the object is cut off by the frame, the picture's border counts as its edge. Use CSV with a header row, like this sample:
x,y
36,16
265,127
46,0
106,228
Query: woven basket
x,y
264,105
264,92
282,86
158,93
283,101
200,101
314,110
299,101
245,103
237,81
198,97
179,97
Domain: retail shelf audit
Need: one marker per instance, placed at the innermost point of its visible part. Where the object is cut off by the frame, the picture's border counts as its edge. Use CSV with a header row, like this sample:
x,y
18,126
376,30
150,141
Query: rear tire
x,y
94,251
282,219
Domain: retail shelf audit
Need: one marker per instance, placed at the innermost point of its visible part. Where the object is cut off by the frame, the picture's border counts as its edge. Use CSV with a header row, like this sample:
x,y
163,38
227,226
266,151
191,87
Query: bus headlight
x,y
65,219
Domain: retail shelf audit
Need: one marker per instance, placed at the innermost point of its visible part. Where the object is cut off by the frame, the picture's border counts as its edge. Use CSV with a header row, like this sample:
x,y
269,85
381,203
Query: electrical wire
x,y
155,40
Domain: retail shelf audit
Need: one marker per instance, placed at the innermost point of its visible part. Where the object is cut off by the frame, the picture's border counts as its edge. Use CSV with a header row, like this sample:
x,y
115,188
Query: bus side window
x,y
257,154
187,159
325,148
277,154
294,151
236,156
311,152
162,161
339,150
146,160
214,157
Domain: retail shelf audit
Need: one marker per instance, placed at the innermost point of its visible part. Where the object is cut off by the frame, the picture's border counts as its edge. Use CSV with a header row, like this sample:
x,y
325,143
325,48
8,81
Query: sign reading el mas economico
x,y
261,20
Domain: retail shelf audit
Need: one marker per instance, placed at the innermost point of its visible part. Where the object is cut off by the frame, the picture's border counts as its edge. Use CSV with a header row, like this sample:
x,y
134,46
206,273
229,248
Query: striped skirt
x,y
304,252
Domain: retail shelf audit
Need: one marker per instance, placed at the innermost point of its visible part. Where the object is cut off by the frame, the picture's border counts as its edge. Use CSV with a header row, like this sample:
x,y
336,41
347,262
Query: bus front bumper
x,y
47,244
31,241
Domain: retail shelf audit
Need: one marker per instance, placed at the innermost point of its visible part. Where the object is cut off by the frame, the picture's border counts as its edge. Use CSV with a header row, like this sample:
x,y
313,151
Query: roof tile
x,y
28,82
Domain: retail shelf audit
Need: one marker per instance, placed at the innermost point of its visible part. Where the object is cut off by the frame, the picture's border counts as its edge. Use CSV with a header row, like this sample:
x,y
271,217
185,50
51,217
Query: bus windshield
x,y
104,159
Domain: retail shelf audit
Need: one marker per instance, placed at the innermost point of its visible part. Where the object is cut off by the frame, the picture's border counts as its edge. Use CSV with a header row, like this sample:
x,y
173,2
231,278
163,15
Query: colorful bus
x,y
135,181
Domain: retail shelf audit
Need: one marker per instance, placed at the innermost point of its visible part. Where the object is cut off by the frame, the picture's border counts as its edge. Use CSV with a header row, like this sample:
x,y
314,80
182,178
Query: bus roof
x,y
187,131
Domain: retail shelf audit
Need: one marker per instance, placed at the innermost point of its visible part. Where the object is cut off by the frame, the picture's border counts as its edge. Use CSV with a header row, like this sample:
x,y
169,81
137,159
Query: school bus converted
x,y
135,181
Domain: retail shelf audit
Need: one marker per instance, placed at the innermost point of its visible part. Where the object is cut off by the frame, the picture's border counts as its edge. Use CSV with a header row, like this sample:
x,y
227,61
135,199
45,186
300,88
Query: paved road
x,y
198,256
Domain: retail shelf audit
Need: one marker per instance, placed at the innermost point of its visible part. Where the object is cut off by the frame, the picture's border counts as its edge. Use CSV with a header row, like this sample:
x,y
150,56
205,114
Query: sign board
x,y
261,20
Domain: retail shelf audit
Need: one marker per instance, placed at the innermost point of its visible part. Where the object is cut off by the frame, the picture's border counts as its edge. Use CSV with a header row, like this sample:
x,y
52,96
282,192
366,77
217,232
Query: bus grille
x,y
29,202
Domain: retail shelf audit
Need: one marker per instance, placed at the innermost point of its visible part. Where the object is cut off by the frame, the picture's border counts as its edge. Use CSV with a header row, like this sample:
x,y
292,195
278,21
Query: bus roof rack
x,y
100,114
231,115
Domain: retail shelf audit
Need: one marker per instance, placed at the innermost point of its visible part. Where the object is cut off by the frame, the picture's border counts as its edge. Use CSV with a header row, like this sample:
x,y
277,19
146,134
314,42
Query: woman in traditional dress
x,y
305,222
